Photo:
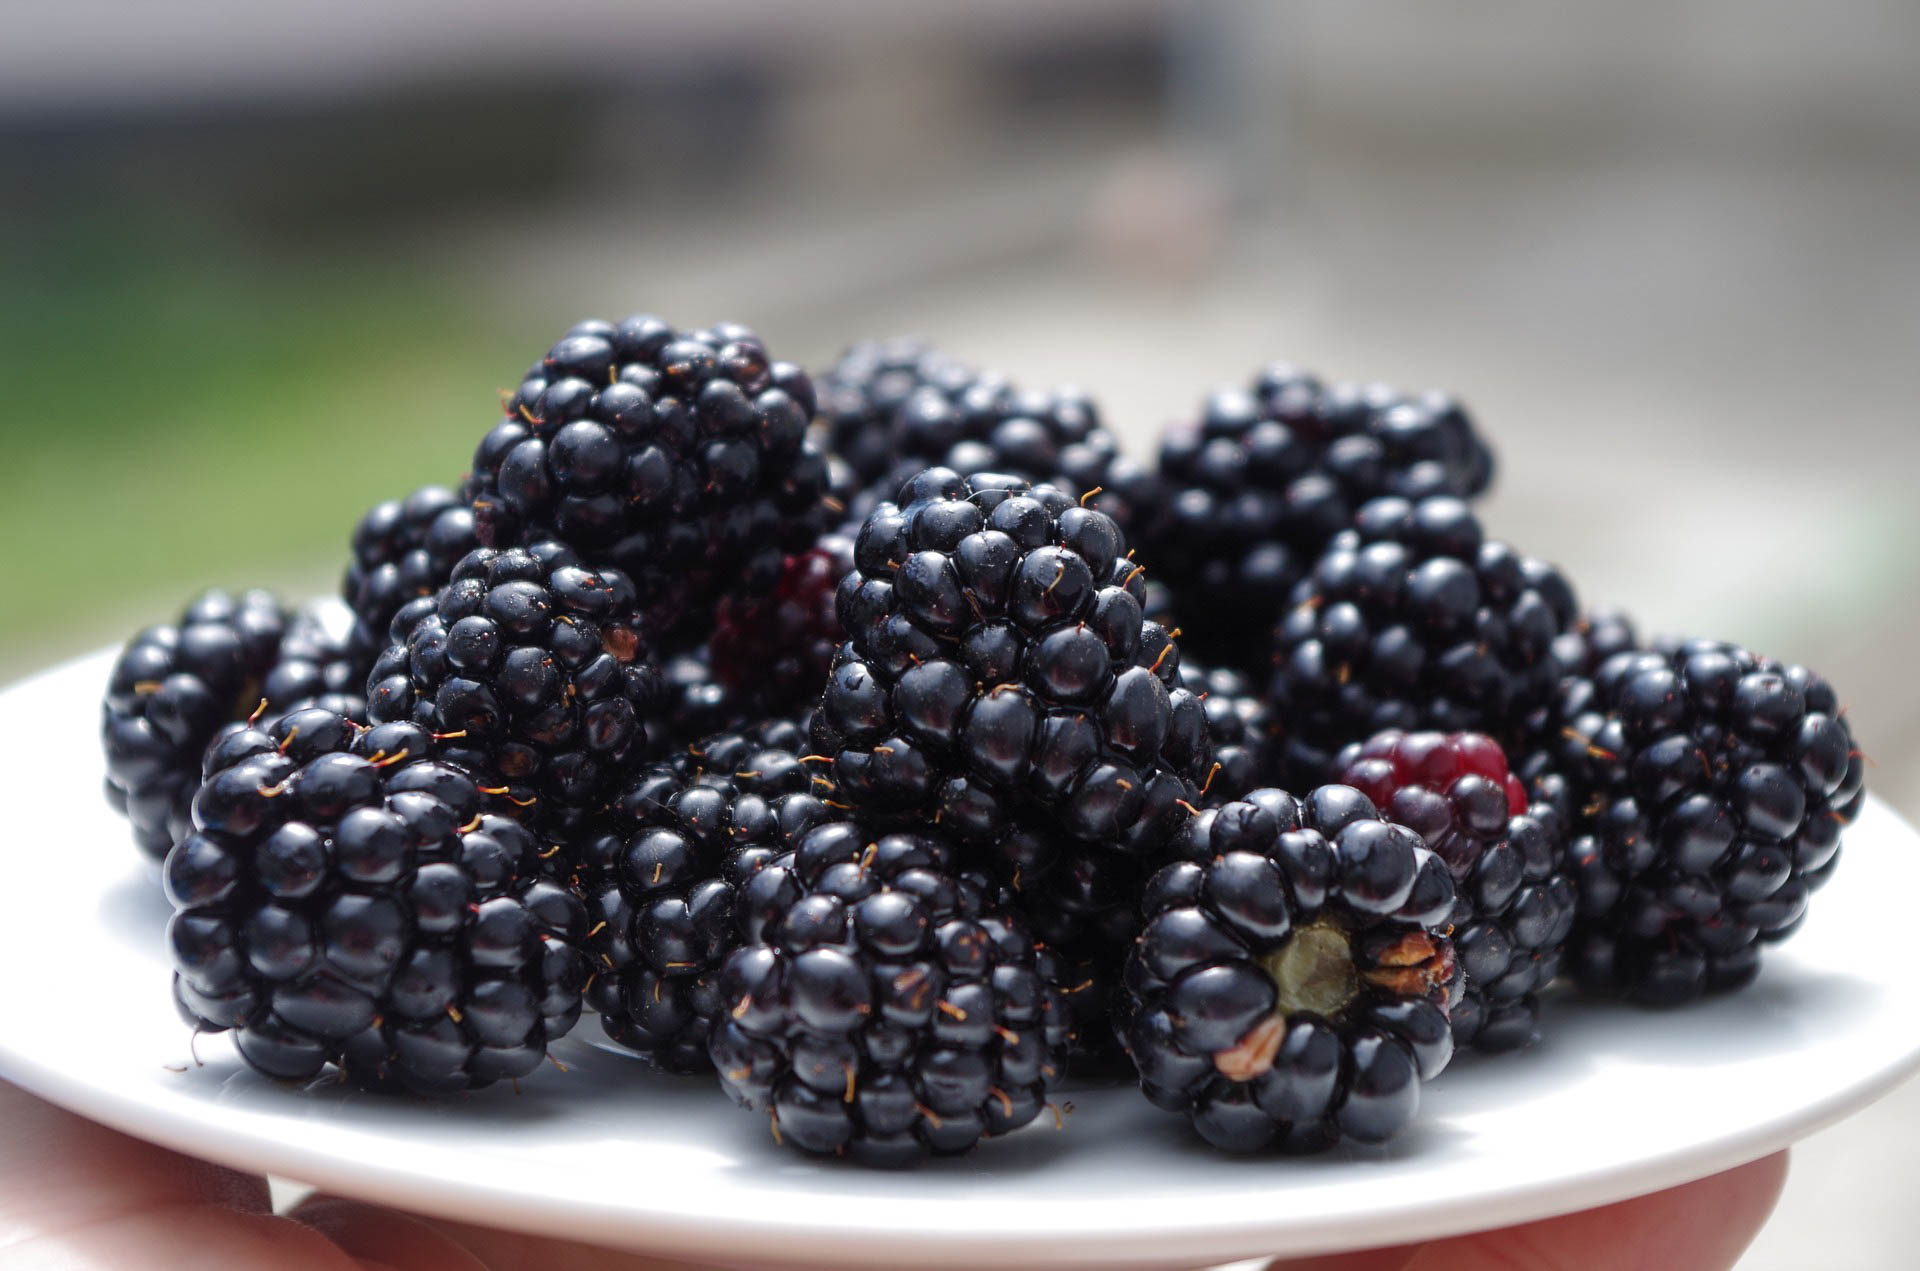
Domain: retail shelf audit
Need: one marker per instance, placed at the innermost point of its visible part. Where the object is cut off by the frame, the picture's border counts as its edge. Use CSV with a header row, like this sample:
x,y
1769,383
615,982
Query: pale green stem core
x,y
1313,971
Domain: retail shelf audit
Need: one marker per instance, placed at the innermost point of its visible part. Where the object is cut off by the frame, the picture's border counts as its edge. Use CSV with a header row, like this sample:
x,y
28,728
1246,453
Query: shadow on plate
x,y
134,910
1780,1012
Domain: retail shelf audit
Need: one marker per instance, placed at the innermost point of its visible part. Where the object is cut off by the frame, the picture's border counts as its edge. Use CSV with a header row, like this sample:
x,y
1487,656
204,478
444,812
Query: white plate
x,y
1614,1103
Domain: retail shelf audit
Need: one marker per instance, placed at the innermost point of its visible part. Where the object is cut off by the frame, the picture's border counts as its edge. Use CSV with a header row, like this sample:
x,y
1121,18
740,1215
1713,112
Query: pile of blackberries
x,y
888,751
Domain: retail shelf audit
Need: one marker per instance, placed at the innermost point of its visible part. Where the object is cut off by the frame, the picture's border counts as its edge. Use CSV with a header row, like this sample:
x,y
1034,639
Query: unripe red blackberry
x,y
1515,900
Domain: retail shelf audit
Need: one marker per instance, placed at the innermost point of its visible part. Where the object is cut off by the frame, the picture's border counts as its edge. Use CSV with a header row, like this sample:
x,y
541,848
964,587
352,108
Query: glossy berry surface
x,y
660,872
881,1006
999,681
532,672
679,458
1414,619
997,672
176,686
894,407
342,903
1261,482
1514,899
771,654
403,549
1241,727
1292,983
1708,787
315,665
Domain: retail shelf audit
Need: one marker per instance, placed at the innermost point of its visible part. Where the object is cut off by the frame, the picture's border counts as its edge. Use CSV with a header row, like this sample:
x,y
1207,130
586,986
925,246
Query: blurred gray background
x,y
261,268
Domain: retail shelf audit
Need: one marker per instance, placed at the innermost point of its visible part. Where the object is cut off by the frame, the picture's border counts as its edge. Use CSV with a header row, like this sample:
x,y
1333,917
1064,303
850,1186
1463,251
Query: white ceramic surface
x,y
1615,1102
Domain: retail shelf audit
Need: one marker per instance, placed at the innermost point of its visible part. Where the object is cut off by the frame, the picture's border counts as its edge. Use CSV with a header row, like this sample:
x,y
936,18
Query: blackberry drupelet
x,y
1241,726
999,681
1593,639
1413,619
862,393
661,872
174,687
882,1005
893,407
346,902
170,691
1291,985
677,457
1265,478
698,705
403,549
1707,787
1514,899
532,673
315,666
773,653
997,672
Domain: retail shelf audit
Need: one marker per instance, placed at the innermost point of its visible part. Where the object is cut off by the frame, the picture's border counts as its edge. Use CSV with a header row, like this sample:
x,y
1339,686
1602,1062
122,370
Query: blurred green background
x,y
189,412
262,268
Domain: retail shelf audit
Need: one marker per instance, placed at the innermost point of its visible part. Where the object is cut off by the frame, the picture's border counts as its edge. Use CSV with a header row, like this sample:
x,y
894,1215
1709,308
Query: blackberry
x,y
342,903
1514,904
175,686
773,652
1265,478
1593,639
660,874
1413,619
314,666
679,458
1707,787
881,1005
1085,909
1292,983
699,705
997,675
403,549
893,407
1241,727
531,671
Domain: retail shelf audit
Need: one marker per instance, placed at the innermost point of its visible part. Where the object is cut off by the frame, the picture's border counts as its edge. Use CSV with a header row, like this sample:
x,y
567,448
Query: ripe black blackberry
x,y
1291,986
1413,619
403,549
343,901
1707,787
1241,727
532,672
315,665
1263,480
894,407
170,691
697,704
660,874
997,676
175,686
881,1005
677,457
1515,900
1592,639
